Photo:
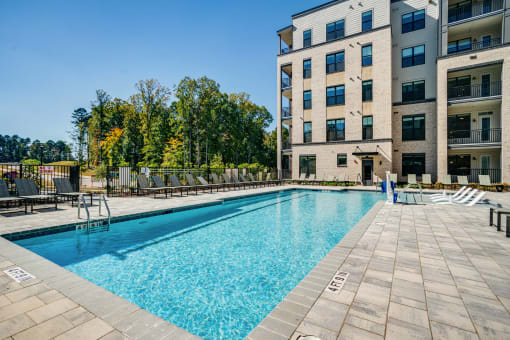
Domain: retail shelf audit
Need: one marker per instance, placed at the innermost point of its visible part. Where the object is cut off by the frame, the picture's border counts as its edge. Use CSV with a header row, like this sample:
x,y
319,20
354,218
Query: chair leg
x,y
499,221
491,218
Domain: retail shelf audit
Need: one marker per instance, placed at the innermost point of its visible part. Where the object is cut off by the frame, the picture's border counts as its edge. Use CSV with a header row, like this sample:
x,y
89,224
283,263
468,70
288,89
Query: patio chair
x,y
447,181
273,181
301,179
236,180
176,184
311,178
204,182
5,196
426,179
484,181
462,180
28,189
160,184
461,200
319,179
231,182
217,180
412,182
142,185
445,197
499,213
244,181
64,188
193,184
253,180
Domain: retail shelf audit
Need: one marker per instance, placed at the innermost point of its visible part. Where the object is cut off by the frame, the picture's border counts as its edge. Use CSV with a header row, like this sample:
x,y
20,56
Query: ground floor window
x,y
459,165
307,165
341,160
413,163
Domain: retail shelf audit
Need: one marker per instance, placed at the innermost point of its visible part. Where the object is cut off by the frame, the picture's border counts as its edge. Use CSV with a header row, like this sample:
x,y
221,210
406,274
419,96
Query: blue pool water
x,y
215,271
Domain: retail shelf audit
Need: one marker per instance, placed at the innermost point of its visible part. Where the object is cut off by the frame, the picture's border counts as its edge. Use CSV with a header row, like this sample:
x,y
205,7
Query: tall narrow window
x,y
335,129
335,30
307,100
335,62
413,127
307,132
413,91
413,21
366,21
368,125
307,38
366,91
413,56
366,55
335,95
307,69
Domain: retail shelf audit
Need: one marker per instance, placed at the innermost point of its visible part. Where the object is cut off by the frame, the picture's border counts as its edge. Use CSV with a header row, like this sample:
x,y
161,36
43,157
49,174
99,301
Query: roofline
x,y
284,28
317,8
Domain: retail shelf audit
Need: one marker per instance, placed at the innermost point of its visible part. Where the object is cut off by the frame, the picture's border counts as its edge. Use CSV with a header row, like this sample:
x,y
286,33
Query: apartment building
x,y
411,87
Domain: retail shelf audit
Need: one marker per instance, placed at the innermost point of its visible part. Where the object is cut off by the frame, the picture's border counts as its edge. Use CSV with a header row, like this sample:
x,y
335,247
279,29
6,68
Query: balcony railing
x,y
480,45
286,174
475,90
286,113
286,145
472,174
285,50
471,10
286,83
474,136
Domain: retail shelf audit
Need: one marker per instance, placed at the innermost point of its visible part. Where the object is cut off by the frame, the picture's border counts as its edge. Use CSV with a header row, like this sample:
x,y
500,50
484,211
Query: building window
x,y
366,55
335,62
335,30
307,69
413,91
335,95
307,132
366,91
341,160
459,165
368,127
335,129
461,10
307,38
413,56
413,127
413,21
366,21
307,165
413,163
307,100
459,45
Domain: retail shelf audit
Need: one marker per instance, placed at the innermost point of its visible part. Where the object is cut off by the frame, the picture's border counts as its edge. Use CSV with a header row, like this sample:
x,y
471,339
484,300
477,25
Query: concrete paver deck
x,y
416,271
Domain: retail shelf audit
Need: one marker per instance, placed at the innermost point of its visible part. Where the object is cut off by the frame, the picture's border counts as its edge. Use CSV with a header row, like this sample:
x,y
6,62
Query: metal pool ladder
x,y
98,222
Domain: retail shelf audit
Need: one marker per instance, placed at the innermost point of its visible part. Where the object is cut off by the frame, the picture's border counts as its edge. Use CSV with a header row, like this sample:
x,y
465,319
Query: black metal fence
x,y
466,10
121,181
474,46
42,175
474,136
475,90
472,175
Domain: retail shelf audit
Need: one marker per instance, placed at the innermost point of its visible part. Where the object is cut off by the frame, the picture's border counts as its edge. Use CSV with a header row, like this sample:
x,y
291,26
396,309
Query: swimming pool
x,y
215,271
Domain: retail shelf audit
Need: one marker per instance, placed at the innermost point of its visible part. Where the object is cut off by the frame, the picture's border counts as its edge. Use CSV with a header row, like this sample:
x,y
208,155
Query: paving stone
x,y
444,311
365,324
445,332
93,329
46,330
4,301
50,296
441,288
51,310
308,328
15,325
261,333
327,314
78,316
115,335
397,329
408,314
349,332
278,326
20,307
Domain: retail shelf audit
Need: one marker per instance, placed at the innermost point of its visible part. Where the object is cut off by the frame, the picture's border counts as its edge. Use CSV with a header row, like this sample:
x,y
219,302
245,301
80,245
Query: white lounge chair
x,y
476,199
448,198
445,195
461,200
426,179
462,180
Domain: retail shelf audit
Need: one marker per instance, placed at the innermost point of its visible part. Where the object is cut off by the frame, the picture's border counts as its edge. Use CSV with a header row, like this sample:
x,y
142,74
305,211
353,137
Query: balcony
x,y
285,50
463,137
286,145
475,91
472,174
286,113
472,10
469,47
286,83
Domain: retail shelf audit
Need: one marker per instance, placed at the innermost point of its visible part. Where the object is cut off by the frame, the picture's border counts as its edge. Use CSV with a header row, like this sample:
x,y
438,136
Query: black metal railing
x,y
474,136
286,83
479,45
472,174
475,90
285,50
286,113
121,181
286,174
42,175
471,10
286,145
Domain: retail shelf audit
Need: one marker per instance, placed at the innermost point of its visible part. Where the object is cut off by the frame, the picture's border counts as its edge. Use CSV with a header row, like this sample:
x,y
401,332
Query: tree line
x,y
18,149
193,125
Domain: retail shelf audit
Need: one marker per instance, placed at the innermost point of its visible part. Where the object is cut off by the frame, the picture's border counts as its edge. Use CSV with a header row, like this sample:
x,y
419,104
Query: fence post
x,y
108,181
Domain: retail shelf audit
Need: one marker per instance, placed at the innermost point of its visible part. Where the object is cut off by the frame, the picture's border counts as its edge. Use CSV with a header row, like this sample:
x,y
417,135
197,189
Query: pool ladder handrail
x,y
82,199
103,198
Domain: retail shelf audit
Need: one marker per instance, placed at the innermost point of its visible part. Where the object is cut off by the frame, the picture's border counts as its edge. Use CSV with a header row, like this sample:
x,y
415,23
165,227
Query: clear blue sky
x,y
55,54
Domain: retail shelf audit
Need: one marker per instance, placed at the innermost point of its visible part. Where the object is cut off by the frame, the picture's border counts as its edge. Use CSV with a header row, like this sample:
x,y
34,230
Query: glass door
x,y
485,161
307,165
486,129
486,85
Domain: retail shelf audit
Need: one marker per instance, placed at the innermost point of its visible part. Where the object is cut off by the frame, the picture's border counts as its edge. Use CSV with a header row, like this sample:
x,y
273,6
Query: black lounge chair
x,y
238,182
176,184
193,184
245,181
65,189
273,181
217,180
160,184
227,180
5,196
204,182
253,180
27,189
144,186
